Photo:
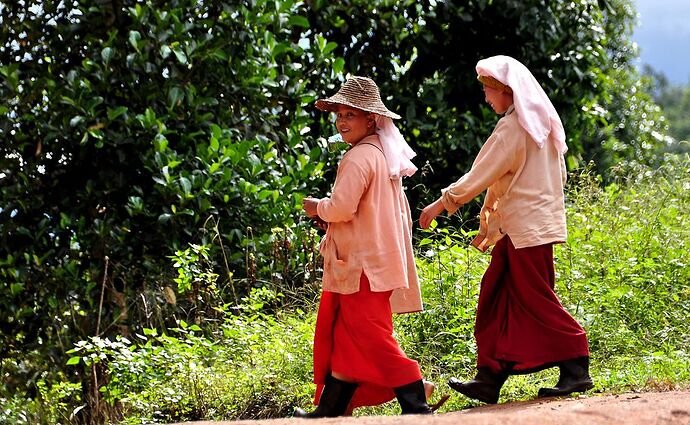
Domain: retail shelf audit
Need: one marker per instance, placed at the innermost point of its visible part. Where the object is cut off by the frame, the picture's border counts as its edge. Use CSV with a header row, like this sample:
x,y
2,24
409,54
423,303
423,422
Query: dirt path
x,y
671,407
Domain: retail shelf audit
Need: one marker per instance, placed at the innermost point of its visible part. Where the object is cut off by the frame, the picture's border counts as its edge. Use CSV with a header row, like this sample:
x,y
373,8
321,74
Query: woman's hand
x,y
430,212
319,224
309,205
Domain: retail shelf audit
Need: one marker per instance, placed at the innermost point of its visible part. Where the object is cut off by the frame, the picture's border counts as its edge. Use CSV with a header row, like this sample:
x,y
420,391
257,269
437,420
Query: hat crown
x,y
357,92
360,89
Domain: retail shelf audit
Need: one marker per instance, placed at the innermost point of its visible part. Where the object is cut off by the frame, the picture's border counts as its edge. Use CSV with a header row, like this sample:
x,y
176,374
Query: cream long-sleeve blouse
x,y
524,188
369,229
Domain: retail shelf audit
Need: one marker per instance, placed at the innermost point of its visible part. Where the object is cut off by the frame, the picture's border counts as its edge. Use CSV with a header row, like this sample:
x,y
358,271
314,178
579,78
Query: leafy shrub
x,y
255,366
134,129
637,299
137,128
57,402
622,274
633,309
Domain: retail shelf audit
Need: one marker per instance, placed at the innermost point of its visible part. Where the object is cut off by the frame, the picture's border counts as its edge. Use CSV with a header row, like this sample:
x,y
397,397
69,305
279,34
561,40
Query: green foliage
x,y
132,129
423,55
137,134
57,402
189,272
636,300
250,368
451,272
622,273
674,102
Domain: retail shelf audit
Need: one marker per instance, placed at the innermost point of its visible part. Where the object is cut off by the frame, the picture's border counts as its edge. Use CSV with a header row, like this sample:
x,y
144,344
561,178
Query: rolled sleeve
x,y
493,161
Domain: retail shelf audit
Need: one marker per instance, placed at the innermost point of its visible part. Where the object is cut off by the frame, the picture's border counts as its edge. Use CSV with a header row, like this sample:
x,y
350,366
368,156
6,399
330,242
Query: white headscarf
x,y
396,150
535,112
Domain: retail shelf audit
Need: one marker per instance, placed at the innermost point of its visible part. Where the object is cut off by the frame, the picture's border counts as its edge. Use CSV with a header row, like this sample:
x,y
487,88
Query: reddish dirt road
x,y
651,408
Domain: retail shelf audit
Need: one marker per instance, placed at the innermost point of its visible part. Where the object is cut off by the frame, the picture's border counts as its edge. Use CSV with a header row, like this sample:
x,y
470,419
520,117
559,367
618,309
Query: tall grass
x,y
623,273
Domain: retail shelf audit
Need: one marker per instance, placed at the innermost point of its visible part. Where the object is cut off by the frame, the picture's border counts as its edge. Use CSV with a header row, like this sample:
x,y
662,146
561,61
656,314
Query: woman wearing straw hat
x,y
369,270
521,326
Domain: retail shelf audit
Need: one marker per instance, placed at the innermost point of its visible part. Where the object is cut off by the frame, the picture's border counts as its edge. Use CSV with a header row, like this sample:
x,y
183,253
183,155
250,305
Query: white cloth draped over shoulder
x,y
535,111
396,150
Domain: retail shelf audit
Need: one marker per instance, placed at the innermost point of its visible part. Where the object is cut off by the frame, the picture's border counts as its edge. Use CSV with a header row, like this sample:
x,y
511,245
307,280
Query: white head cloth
x,y
396,150
535,112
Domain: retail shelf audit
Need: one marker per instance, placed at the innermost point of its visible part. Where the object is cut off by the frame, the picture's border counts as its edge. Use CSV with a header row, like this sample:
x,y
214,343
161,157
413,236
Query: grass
x,y
623,274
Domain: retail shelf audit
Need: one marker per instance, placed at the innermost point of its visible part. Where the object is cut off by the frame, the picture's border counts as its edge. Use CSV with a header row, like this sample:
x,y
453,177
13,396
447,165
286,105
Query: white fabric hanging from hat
x,y
396,150
536,113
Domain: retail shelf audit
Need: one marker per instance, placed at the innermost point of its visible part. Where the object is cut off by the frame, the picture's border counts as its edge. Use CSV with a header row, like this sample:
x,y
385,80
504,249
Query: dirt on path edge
x,y
639,408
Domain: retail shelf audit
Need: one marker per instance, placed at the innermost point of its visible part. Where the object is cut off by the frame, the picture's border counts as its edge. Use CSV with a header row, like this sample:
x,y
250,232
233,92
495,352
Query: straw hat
x,y
357,92
494,83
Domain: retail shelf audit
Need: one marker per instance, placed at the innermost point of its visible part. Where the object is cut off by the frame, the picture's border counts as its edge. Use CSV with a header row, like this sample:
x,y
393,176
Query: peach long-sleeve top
x,y
369,229
524,188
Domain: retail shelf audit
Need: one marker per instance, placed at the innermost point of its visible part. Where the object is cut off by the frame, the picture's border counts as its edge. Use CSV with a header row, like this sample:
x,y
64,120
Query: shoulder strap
x,y
367,143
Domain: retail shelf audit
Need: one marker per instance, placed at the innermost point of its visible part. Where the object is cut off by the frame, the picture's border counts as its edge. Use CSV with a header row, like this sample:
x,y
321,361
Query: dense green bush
x,y
131,130
252,366
423,54
140,134
674,100
622,273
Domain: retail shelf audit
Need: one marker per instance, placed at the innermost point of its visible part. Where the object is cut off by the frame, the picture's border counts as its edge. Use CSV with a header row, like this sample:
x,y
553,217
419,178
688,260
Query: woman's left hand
x,y
430,212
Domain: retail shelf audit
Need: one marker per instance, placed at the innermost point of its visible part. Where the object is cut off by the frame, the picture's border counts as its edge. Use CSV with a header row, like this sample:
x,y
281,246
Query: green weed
x,y
623,274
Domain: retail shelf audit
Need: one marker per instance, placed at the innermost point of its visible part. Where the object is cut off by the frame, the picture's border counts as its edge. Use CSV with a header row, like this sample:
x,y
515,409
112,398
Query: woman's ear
x,y
371,120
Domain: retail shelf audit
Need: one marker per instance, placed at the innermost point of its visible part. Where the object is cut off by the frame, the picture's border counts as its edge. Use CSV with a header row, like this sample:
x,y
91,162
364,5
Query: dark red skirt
x,y
521,325
354,337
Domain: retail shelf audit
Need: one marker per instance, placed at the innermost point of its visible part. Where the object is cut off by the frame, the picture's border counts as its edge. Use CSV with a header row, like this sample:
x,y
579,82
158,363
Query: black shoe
x,y
334,400
574,378
412,399
485,387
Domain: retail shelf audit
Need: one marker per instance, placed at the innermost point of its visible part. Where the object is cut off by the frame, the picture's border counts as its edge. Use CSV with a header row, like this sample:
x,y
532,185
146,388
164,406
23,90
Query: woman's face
x,y
499,100
353,124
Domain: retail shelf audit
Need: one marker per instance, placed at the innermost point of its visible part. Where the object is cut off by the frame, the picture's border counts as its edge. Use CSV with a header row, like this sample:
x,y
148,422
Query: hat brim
x,y
331,104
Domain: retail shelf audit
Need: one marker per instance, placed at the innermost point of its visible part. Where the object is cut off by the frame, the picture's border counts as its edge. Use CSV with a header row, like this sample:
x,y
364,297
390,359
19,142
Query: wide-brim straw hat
x,y
357,92
494,83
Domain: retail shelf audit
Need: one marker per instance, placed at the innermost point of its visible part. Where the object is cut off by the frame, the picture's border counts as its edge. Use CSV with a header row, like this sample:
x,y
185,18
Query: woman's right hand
x,y
309,205
430,212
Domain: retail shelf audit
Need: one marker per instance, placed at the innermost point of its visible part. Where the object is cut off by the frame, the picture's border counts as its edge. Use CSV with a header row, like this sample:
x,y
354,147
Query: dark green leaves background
x,y
131,129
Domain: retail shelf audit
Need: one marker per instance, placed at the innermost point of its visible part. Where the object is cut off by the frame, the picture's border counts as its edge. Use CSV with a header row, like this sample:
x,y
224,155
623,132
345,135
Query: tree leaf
x,y
114,113
297,20
180,55
186,185
134,38
107,54
175,95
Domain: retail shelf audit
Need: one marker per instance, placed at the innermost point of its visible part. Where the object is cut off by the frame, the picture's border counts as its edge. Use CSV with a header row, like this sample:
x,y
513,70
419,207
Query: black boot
x,y
412,398
485,387
574,377
334,400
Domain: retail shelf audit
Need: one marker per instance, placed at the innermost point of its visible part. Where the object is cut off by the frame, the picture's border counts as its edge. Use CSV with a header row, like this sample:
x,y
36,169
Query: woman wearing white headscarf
x,y
521,326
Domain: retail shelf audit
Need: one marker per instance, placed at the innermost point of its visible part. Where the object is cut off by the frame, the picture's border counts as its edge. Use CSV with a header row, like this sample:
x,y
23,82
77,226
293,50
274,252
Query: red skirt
x,y
521,325
354,337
